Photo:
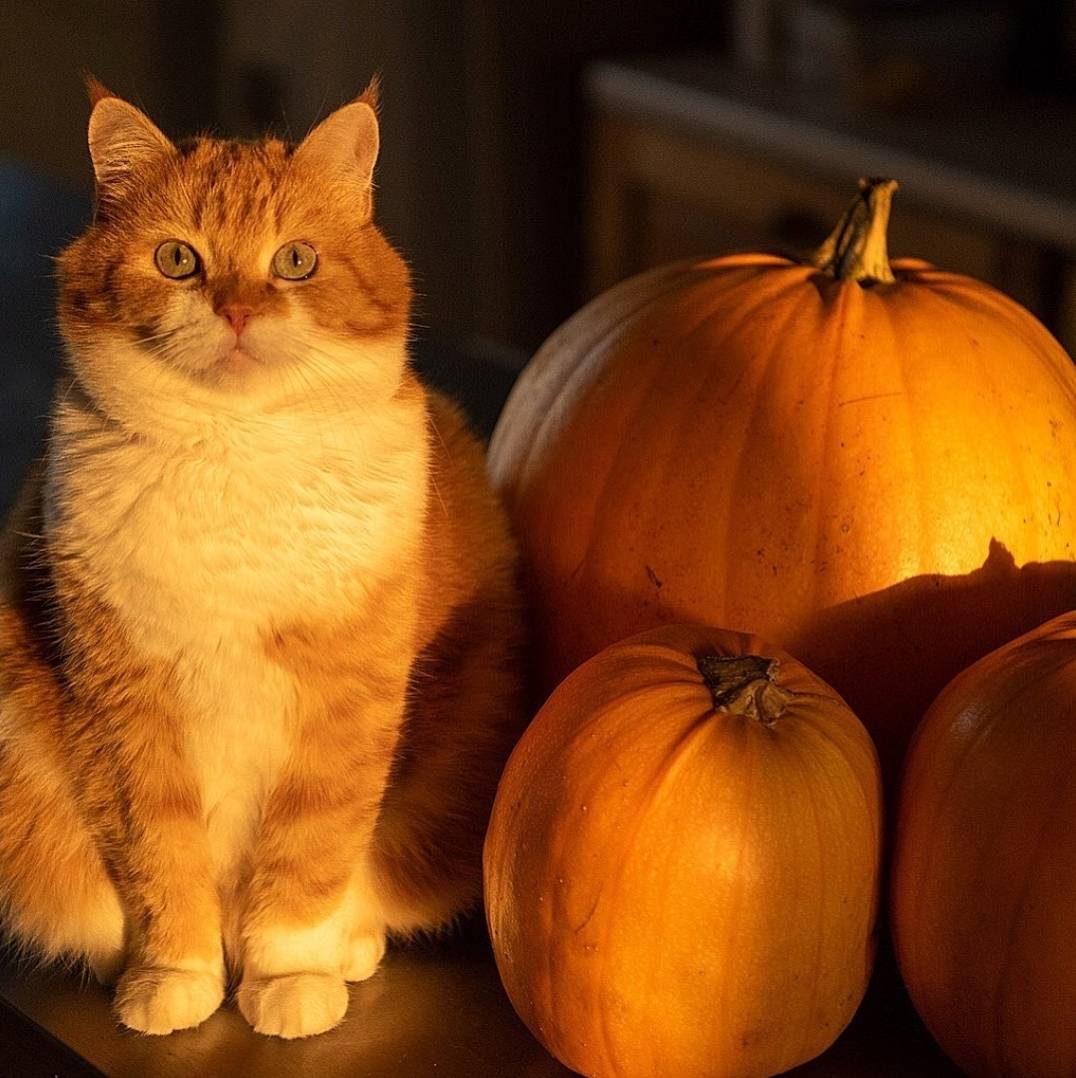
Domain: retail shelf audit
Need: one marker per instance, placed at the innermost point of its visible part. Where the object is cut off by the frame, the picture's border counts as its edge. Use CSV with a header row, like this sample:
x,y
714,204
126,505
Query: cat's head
x,y
233,269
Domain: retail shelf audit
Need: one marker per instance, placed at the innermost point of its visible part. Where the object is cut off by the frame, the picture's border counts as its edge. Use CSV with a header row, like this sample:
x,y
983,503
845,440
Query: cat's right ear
x,y
121,137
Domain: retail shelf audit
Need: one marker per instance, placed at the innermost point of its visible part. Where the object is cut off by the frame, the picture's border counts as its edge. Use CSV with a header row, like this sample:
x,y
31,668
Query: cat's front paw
x,y
295,1005
163,1000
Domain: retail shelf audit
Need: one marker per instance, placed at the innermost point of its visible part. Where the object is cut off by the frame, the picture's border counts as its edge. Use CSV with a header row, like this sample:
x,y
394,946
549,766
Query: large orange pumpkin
x,y
984,870
681,869
873,466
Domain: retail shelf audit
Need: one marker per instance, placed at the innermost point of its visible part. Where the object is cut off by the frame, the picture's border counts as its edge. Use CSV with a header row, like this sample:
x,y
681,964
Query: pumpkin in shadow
x,y
984,865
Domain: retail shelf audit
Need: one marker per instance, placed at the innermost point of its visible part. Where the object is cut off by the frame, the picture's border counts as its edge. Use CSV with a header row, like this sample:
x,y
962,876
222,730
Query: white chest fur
x,y
200,549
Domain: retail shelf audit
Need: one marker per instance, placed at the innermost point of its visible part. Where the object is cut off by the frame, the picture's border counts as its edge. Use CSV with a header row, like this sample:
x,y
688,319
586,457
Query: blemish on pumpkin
x,y
654,578
871,397
587,919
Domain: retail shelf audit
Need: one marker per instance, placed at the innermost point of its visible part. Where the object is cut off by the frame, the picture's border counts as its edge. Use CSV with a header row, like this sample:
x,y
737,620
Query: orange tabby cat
x,y
258,620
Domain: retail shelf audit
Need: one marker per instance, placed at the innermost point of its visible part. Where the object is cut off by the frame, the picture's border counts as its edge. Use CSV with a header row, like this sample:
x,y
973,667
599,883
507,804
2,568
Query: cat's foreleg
x,y
148,814
175,974
309,912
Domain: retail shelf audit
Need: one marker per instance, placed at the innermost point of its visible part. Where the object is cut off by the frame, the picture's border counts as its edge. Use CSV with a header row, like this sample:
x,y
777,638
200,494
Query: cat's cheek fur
x,y
191,336
308,357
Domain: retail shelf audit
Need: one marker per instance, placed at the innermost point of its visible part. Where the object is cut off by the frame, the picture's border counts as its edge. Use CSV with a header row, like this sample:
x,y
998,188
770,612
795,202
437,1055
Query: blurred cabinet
x,y
687,157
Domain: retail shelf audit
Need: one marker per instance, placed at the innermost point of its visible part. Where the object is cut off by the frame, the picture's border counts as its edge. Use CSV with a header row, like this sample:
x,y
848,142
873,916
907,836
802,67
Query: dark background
x,y
534,153
486,126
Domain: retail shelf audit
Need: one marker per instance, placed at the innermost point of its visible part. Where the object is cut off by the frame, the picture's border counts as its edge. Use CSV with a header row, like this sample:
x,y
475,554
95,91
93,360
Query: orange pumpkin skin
x,y
881,480
673,890
984,870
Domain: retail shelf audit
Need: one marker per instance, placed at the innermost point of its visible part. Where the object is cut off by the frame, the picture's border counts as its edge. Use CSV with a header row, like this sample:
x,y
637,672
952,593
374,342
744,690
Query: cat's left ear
x,y
347,140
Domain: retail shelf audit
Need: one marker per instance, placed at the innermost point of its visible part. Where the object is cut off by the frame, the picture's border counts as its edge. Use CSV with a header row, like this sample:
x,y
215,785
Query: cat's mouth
x,y
238,361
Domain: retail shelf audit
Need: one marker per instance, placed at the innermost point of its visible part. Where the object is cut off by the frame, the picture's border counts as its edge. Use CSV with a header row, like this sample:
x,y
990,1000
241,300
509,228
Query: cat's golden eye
x,y
295,260
176,259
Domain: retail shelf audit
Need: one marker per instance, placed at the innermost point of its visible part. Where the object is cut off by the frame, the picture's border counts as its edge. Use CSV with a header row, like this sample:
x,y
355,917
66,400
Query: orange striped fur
x,y
259,627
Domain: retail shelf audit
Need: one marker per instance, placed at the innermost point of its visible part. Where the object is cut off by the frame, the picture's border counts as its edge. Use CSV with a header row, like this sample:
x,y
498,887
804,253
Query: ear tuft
x,y
122,139
372,94
95,89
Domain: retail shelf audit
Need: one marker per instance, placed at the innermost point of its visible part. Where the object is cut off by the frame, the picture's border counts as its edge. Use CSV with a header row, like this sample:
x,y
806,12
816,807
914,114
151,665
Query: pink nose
x,y
237,315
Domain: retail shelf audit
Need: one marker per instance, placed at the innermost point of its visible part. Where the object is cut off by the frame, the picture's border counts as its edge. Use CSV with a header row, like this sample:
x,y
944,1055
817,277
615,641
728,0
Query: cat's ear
x,y
347,140
121,138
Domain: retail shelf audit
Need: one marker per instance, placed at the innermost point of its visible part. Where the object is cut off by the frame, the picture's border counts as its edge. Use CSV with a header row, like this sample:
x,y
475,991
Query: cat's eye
x,y
176,259
295,261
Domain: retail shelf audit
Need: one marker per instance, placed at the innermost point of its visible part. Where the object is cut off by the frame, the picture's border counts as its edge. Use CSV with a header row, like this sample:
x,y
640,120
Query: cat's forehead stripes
x,y
234,187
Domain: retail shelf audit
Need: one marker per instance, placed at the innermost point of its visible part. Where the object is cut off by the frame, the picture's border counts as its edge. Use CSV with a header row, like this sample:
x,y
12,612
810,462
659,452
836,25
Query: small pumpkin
x,y
871,464
984,869
681,869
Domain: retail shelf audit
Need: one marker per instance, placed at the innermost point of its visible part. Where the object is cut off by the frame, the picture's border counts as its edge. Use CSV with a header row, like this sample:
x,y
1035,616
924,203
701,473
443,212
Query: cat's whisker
x,y
437,492
163,335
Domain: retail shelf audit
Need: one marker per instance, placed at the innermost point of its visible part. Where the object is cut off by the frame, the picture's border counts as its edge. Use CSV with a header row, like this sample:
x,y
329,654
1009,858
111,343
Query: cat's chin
x,y
234,367
239,361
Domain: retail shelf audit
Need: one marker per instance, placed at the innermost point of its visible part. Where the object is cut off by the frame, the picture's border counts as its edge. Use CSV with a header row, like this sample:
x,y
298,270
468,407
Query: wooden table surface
x,y
432,1011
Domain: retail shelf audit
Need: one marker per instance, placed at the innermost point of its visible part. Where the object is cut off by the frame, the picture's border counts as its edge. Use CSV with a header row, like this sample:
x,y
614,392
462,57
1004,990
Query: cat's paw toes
x,y
296,1005
364,954
162,1000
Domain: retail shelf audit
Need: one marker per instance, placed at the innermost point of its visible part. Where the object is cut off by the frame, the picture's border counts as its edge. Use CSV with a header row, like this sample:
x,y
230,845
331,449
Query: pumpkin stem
x,y
856,249
744,685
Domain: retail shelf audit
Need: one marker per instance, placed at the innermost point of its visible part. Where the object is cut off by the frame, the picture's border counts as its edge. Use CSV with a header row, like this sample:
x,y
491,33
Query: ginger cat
x,y
259,627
